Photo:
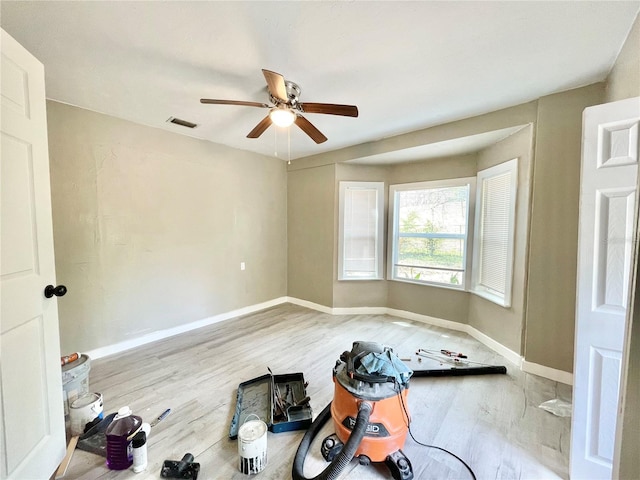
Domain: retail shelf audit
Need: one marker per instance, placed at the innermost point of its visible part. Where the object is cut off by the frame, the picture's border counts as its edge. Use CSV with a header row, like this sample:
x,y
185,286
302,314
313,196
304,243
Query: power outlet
x,y
242,266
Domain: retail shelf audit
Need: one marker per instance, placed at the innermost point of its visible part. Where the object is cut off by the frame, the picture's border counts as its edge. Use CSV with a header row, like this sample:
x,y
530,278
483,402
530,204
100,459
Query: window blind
x,y
494,237
360,253
494,233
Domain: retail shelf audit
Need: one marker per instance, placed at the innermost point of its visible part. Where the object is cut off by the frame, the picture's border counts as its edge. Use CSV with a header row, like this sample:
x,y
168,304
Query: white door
x,y
32,416
606,234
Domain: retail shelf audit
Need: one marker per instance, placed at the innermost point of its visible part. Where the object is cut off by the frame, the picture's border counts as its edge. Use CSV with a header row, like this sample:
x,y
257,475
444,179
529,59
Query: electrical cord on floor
x,y
473,475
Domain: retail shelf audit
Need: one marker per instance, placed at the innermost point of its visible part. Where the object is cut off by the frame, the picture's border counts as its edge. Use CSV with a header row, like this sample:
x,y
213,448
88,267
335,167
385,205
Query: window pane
x,y
431,233
434,210
431,252
427,275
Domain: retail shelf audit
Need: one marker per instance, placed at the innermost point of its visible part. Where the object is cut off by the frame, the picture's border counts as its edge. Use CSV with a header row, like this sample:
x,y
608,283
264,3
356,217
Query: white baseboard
x,y
438,322
548,372
169,332
513,357
359,311
311,305
510,355
507,353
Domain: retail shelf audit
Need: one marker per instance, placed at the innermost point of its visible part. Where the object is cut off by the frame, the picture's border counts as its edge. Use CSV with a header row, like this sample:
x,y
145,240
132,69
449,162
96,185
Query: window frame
x,y
378,187
392,252
504,300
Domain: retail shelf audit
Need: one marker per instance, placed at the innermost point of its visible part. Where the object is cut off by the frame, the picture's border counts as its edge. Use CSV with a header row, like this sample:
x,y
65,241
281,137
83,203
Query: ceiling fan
x,y
286,107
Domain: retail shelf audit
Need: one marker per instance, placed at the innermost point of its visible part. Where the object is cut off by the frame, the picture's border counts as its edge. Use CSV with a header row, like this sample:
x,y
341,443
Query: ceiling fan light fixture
x,y
282,117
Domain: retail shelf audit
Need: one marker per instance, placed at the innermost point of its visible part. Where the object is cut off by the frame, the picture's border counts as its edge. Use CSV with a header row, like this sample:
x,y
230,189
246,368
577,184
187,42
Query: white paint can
x,y
75,383
252,445
83,410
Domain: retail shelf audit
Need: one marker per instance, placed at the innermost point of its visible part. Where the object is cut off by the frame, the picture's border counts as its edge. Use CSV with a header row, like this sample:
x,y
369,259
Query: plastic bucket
x,y
75,382
83,410
252,446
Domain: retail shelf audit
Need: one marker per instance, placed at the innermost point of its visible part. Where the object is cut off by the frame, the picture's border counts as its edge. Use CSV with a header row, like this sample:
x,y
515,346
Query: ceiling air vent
x,y
183,123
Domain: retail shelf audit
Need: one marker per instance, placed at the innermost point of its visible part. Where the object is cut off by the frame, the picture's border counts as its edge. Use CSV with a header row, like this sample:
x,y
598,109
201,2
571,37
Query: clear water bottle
x,y
119,435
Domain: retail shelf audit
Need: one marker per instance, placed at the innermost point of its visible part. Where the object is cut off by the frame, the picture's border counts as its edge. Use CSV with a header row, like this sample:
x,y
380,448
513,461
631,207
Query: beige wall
x,y
361,293
436,302
310,198
150,227
447,304
554,227
543,315
624,78
425,300
507,325
139,212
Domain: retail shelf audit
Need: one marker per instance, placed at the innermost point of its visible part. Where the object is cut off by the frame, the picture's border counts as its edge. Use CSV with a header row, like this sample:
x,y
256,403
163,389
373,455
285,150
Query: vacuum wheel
x,y
331,447
400,466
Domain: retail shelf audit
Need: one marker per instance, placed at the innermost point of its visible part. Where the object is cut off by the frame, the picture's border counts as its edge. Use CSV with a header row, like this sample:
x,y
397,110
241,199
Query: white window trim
x,y
379,248
476,287
393,233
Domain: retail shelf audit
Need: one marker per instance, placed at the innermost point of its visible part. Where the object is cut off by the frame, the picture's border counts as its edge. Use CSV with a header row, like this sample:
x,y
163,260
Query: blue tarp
x,y
387,364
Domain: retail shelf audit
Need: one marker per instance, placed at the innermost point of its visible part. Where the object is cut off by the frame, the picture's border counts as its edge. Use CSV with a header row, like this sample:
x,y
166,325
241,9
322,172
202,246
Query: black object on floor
x,y
460,371
94,440
184,468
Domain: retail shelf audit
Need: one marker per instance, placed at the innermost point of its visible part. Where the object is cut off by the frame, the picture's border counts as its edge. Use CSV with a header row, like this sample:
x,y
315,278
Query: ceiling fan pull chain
x,y
289,145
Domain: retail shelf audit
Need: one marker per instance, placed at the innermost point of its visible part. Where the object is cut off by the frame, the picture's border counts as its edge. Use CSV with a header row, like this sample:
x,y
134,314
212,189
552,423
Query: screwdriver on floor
x,y
449,353
161,417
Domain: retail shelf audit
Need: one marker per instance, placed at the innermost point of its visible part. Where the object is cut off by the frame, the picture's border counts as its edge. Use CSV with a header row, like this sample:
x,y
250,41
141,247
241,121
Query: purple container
x,y
119,435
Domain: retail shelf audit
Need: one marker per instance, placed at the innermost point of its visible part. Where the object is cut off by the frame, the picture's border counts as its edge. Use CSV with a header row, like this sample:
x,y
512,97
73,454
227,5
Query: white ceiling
x,y
406,65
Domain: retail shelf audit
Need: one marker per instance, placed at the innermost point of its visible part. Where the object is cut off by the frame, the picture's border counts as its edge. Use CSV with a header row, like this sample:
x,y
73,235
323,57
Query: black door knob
x,y
50,291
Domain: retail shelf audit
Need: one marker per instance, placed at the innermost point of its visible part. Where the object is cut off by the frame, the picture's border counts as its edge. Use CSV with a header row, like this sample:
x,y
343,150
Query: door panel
x,y
605,256
32,417
603,391
615,210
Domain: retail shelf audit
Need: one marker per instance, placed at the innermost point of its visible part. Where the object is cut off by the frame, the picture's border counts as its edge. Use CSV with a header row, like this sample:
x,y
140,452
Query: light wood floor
x,y
493,422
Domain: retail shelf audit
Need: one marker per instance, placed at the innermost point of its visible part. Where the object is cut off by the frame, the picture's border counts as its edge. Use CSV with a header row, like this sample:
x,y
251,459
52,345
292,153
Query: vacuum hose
x,y
338,464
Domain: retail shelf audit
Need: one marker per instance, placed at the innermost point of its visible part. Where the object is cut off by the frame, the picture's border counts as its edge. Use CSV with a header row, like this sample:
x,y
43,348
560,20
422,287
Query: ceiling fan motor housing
x,y
293,95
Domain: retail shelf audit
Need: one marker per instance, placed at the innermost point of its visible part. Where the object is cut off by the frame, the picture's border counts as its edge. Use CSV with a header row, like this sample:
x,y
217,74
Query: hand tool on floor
x,y
162,416
460,365
185,468
449,353
279,410
304,401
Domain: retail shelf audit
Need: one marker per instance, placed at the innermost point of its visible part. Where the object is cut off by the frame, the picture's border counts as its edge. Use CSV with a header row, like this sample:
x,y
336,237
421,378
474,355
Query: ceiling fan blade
x,y
276,85
330,108
234,102
260,128
307,127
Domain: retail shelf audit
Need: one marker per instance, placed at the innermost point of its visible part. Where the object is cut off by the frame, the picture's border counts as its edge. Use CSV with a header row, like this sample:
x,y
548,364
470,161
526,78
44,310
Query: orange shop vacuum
x,y
369,412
